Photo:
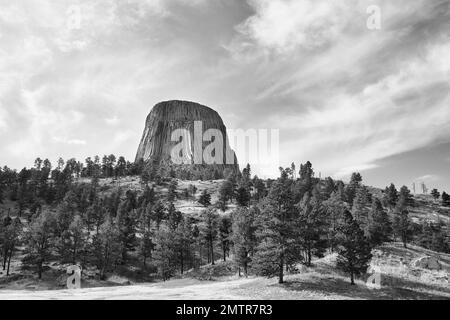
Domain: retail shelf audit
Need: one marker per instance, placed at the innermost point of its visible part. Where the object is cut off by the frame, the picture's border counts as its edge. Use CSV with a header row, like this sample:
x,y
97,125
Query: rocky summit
x,y
186,125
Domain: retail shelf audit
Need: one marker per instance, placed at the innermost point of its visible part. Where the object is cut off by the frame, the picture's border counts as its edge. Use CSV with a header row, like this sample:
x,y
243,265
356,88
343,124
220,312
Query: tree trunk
x,y
5,258
182,262
352,278
40,270
281,274
9,261
212,251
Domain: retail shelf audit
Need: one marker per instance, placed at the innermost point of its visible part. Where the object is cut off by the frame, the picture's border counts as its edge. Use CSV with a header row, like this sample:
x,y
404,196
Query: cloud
x,y
342,96
113,121
346,172
284,25
350,96
427,178
69,141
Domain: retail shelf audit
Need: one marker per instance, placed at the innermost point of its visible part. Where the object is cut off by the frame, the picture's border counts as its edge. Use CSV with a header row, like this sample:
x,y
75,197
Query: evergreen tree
x,y
277,231
10,231
174,217
391,196
209,231
359,208
379,227
243,236
406,196
126,223
260,188
335,208
243,196
172,193
205,199
445,199
225,226
95,215
39,239
164,256
354,249
311,228
73,242
225,194
435,193
158,213
329,188
183,241
107,247
352,187
402,226
146,246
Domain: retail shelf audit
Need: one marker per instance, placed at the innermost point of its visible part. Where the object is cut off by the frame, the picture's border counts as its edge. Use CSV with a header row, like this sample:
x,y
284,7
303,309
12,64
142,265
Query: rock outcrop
x,y
430,263
172,123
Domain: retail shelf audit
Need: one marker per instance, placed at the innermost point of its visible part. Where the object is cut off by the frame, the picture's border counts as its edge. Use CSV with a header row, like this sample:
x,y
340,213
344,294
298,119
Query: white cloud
x,y
394,115
113,121
285,24
347,171
427,178
69,141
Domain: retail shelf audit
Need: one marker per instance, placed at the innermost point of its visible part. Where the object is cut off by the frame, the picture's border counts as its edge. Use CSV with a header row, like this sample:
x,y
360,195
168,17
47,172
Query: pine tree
x,y
209,231
260,187
172,193
73,241
277,236
435,193
164,256
174,217
391,196
359,208
10,231
146,246
40,241
445,199
183,240
225,194
126,222
379,227
205,199
402,225
406,196
354,249
243,236
158,213
335,208
107,247
243,196
225,226
352,187
311,228
95,215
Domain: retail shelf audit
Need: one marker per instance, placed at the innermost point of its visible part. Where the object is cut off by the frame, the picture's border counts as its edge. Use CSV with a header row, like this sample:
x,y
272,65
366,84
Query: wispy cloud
x,y
69,141
427,178
342,96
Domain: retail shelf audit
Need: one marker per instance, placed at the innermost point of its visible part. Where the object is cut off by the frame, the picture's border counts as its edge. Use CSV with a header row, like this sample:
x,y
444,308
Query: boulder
x,y
430,263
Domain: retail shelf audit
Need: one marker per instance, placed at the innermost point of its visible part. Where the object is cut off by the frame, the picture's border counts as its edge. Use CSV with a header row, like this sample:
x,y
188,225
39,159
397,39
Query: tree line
x,y
275,224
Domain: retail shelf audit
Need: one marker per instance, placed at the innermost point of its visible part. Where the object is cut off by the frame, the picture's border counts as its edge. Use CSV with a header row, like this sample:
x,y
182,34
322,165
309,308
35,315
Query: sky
x,y
346,90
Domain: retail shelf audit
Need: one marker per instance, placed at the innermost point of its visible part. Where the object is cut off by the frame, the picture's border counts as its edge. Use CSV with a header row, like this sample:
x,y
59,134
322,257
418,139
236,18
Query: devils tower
x,y
168,118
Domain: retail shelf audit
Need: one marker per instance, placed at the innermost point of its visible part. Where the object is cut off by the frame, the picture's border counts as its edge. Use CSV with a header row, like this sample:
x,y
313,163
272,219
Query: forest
x,y
265,227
